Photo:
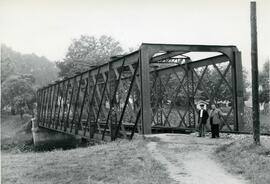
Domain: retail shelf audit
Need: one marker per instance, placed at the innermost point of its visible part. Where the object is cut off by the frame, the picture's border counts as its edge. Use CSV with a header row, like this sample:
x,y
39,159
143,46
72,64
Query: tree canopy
x,y
264,83
15,63
87,52
17,91
218,88
21,75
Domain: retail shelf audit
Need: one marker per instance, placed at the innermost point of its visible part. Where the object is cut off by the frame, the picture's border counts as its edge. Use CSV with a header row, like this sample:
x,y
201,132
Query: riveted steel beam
x,y
166,56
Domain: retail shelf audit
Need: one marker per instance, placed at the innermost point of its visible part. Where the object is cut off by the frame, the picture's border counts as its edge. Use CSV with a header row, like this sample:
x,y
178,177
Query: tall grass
x,y
264,121
243,157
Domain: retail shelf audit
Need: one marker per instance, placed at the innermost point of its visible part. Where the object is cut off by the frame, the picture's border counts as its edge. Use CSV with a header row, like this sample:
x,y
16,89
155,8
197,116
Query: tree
x,y
218,88
87,52
264,83
7,69
15,63
246,84
17,92
211,87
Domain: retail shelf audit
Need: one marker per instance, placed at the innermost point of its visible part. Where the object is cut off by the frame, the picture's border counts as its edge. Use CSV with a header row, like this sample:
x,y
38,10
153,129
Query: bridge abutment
x,y
46,139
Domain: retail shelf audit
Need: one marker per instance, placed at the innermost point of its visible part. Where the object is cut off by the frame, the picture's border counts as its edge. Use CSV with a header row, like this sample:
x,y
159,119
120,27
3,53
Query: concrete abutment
x,y
46,139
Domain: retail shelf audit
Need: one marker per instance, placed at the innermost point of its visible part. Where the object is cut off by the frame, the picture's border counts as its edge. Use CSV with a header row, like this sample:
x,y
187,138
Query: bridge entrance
x,y
157,87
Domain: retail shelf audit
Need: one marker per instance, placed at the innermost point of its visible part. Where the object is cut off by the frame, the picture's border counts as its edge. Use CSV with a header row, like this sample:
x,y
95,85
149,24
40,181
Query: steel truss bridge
x,y
154,88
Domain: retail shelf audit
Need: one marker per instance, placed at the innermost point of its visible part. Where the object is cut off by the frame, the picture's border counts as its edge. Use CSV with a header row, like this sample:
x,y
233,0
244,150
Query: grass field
x,y
116,162
243,157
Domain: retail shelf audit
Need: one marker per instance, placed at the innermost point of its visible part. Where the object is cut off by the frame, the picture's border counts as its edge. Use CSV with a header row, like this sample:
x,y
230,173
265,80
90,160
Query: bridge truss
x,y
157,86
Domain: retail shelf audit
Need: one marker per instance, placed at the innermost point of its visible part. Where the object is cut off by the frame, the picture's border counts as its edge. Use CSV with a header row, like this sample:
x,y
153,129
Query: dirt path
x,y
189,159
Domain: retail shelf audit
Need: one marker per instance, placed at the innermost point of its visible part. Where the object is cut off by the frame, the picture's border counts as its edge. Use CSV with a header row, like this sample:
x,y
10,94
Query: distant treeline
x,y
21,75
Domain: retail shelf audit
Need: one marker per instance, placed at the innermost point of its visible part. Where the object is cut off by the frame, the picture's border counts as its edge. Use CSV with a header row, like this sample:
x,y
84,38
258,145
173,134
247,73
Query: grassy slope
x,y
15,133
116,162
243,157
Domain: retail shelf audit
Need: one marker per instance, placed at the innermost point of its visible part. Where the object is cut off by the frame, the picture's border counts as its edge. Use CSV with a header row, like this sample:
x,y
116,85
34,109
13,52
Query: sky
x,y
47,27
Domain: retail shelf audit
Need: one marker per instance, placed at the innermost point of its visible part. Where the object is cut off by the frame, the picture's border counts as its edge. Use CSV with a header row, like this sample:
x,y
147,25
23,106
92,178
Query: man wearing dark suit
x,y
203,116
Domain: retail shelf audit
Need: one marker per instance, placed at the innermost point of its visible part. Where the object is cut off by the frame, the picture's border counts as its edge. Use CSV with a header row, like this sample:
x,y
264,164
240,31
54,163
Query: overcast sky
x,y
47,27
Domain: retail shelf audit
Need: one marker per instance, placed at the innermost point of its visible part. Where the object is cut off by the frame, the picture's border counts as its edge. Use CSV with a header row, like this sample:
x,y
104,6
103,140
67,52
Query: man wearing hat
x,y
203,116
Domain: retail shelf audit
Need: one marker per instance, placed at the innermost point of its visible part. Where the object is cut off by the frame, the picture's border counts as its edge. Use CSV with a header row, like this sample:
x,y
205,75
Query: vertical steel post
x,y
66,124
91,105
126,102
52,104
75,108
110,118
38,105
62,121
255,86
234,93
190,87
46,92
112,114
82,106
60,105
145,91
48,106
238,90
56,104
160,101
100,103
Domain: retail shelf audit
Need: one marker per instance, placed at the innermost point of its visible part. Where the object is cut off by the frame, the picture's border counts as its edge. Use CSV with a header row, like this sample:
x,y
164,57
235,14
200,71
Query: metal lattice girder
x,y
228,53
82,107
126,95
189,95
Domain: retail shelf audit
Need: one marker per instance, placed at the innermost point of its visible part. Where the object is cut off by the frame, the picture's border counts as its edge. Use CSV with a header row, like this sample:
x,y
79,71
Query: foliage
x,y
7,68
212,85
217,91
264,82
21,75
222,92
17,92
246,84
15,63
87,52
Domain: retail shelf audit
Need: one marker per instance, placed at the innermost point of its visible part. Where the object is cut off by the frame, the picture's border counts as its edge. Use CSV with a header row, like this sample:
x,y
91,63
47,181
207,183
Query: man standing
x,y
203,116
215,119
